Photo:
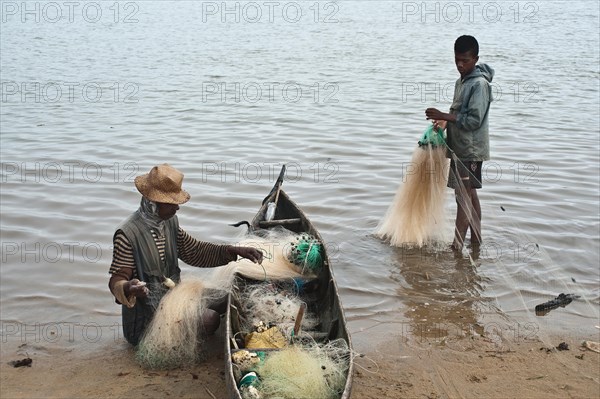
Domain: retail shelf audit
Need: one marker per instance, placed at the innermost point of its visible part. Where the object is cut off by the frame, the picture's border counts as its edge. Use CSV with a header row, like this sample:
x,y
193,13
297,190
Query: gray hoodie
x,y
468,137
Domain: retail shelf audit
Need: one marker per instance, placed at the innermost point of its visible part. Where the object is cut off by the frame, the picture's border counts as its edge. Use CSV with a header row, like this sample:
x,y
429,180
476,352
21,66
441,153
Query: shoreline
x,y
470,367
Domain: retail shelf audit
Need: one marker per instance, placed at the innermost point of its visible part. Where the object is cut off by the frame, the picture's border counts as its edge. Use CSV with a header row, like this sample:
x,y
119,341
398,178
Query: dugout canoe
x,y
325,301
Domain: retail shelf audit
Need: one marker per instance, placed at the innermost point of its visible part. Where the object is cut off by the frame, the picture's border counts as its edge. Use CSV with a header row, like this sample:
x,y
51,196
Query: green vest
x,y
151,269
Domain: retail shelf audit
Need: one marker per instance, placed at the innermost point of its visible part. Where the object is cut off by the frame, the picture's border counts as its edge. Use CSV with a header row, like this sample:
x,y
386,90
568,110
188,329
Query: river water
x,y
95,93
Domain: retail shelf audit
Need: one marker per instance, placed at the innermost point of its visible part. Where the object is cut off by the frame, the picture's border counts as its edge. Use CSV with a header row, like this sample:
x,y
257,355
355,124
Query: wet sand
x,y
472,367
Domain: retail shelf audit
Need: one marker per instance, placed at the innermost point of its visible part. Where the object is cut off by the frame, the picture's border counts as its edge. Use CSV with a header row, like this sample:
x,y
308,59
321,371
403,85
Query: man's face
x,y
167,211
465,63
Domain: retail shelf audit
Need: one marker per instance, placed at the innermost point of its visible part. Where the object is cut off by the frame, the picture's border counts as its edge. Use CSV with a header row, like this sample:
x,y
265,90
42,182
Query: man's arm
x,y
123,282
206,254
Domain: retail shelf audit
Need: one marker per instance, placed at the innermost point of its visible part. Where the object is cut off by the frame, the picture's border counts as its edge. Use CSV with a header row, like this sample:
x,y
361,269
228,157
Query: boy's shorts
x,y
469,172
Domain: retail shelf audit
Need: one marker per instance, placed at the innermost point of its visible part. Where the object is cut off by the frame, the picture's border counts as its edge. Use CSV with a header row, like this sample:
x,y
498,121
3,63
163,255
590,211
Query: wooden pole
x,y
299,319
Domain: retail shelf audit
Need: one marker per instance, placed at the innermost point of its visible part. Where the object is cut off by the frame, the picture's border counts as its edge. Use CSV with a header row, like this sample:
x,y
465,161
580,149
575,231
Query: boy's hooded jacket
x,y
468,137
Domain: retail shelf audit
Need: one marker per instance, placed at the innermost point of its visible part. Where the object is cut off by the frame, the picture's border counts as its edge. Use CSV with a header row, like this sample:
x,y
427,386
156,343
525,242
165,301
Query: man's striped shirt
x,y
189,250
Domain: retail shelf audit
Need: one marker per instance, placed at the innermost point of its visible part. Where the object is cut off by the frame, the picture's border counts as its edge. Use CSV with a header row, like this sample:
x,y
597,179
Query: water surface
x,y
87,106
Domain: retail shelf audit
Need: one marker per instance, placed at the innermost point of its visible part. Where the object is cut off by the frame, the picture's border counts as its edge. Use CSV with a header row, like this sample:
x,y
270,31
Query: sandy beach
x,y
473,367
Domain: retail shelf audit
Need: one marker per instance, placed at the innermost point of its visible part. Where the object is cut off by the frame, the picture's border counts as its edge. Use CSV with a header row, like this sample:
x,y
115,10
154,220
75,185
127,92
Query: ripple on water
x,y
349,144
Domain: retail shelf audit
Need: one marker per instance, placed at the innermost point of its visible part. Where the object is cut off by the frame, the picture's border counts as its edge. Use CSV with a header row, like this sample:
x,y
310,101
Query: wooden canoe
x,y
325,303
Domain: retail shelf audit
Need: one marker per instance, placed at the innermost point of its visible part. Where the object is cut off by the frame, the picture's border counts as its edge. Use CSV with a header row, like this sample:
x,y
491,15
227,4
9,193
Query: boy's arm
x,y
472,117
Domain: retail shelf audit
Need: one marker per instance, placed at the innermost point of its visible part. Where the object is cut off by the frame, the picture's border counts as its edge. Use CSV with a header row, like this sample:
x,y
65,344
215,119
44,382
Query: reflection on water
x,y
441,292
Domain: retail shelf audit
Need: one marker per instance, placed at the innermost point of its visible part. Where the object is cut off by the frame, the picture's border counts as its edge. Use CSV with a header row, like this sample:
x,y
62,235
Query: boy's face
x,y
465,62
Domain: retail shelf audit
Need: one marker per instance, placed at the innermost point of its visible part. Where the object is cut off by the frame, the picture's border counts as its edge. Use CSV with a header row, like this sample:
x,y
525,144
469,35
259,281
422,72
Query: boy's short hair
x,y
466,44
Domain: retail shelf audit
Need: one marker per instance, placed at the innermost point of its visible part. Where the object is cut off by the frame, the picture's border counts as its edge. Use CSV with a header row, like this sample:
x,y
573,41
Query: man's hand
x,y
136,288
249,253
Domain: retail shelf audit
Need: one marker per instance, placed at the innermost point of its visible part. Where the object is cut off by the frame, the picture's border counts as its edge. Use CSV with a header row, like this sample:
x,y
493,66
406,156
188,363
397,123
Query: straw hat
x,y
162,184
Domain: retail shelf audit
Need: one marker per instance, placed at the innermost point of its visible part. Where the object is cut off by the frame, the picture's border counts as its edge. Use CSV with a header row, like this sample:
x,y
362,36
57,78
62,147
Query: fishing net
x,y
432,137
314,371
417,213
272,306
284,354
174,336
278,263
517,257
270,338
307,253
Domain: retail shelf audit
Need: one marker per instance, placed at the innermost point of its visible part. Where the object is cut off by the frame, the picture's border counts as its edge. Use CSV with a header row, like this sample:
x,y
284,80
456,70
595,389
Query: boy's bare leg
x,y
475,224
463,215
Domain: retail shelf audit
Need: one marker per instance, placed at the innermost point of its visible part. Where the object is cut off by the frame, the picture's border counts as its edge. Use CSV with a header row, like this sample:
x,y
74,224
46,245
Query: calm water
x,y
95,95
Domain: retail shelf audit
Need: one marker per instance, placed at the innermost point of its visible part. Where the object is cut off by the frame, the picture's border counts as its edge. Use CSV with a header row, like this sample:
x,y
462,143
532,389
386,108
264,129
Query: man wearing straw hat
x,y
147,247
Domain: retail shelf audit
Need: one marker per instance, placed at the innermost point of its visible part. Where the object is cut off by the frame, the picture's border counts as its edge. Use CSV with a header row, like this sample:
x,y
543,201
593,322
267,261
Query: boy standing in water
x,y
467,136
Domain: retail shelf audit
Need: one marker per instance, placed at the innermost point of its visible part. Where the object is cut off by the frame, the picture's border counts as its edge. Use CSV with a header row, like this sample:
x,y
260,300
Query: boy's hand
x,y
439,124
435,114
439,116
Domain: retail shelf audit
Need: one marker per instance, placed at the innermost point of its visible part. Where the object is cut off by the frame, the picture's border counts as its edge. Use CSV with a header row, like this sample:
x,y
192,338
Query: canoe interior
x,y
320,293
